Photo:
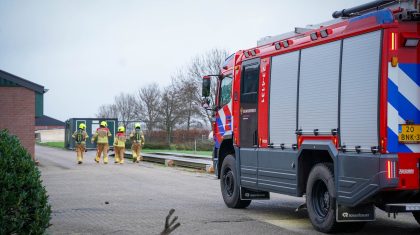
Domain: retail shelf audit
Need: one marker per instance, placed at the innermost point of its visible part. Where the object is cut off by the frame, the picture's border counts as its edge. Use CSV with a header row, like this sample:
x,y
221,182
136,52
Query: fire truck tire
x,y
416,215
320,198
230,186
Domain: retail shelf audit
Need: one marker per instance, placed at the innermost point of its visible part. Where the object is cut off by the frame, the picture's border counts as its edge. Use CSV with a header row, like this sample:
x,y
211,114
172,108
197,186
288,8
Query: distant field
x,y
53,144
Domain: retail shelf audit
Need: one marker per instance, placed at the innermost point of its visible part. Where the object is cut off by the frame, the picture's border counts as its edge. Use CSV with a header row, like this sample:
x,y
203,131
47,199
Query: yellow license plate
x,y
409,134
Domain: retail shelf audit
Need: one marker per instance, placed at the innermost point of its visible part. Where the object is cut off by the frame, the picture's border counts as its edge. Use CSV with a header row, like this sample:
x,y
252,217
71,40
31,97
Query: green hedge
x,y
24,207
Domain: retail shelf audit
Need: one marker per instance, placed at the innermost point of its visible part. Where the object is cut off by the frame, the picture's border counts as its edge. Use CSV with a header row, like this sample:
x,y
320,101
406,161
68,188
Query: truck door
x,y
249,122
249,104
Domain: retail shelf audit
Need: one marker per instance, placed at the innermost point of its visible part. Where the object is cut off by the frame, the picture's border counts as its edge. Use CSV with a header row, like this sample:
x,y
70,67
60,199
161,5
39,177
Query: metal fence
x,y
194,139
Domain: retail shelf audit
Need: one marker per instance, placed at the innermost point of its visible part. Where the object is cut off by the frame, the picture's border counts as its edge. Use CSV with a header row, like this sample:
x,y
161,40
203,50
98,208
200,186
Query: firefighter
x,y
80,136
119,145
137,140
101,138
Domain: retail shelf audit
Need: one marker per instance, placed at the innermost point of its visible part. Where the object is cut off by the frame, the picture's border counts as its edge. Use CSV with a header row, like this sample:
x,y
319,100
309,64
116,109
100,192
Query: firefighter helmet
x,y
82,126
104,124
121,129
137,125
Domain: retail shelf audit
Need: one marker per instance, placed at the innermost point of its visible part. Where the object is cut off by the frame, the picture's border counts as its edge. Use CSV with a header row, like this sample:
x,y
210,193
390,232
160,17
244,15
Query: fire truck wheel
x,y
416,215
229,185
320,198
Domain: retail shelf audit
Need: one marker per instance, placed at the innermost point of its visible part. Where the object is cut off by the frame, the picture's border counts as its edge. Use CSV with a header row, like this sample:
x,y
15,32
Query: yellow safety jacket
x,y
101,135
137,137
119,140
80,136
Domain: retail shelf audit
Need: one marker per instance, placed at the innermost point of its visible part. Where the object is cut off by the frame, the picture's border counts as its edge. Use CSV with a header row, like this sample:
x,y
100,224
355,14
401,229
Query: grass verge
x,y
52,144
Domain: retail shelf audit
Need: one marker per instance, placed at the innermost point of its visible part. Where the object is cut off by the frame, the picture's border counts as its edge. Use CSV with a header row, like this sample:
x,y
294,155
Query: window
x,y
250,79
225,90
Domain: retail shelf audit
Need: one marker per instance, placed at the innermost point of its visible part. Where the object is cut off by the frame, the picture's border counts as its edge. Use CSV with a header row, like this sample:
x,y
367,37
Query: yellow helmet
x,y
137,125
121,129
103,123
82,126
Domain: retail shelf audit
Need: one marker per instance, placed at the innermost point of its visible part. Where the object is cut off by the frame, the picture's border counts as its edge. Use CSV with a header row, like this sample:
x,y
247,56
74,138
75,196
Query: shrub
x,y
24,207
172,146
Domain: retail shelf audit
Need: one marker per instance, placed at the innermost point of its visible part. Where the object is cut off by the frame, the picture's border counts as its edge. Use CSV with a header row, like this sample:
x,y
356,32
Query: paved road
x,y
140,197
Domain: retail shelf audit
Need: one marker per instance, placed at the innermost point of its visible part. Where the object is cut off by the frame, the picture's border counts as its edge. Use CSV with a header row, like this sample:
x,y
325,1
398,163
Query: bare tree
x,y
179,103
107,111
206,64
188,90
148,102
126,105
171,109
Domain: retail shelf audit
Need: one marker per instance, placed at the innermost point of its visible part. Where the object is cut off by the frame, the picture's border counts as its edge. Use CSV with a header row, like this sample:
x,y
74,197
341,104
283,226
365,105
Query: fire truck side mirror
x,y
206,86
206,103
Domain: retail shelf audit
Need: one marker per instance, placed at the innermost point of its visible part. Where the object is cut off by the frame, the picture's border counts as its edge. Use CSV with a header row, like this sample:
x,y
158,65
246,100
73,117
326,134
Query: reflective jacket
x,y
101,135
137,137
119,140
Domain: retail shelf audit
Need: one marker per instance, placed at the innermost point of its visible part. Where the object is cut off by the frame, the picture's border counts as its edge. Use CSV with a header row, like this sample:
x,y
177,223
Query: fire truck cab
x,y
330,112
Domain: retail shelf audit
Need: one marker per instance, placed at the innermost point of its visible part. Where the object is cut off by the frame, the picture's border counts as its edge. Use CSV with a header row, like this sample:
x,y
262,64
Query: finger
x,y
173,228
173,221
171,211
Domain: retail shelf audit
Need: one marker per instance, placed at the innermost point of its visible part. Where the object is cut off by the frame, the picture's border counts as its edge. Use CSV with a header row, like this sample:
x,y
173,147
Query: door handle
x,y
254,139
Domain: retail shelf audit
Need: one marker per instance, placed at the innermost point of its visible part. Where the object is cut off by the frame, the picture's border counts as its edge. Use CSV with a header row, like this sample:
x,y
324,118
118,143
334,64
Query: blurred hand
x,y
169,226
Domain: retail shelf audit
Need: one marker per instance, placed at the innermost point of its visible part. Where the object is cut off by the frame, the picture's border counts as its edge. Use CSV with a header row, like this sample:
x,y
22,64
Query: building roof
x,y
8,77
48,121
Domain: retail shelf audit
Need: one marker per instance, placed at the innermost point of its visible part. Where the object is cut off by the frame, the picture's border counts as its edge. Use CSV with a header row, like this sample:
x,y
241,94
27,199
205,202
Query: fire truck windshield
x,y
225,90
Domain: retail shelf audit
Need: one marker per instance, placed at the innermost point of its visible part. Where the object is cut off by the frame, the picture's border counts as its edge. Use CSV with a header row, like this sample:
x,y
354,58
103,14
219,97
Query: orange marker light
x,y
394,61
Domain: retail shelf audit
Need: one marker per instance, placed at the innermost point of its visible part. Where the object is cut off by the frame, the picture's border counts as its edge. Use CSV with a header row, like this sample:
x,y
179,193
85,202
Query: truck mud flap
x,y
364,212
250,194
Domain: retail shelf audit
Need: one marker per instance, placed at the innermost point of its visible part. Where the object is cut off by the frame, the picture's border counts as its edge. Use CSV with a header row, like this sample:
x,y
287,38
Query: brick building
x,y
20,102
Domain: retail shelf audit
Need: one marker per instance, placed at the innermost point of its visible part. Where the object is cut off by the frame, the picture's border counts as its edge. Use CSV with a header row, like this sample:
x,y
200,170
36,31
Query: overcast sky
x,y
86,52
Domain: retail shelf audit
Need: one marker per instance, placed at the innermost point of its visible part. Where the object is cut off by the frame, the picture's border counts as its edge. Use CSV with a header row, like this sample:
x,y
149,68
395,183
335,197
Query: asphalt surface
x,y
135,199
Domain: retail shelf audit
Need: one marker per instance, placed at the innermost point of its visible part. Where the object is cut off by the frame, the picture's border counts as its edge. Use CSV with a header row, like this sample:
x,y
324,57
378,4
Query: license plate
x,y
409,134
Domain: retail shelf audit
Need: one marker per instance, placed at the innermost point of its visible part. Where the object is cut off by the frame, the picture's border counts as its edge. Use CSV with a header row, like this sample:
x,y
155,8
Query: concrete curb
x,y
199,163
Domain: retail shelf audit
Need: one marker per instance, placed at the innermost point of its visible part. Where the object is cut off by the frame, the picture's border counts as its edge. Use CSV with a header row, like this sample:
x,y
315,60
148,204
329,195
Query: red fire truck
x,y
330,112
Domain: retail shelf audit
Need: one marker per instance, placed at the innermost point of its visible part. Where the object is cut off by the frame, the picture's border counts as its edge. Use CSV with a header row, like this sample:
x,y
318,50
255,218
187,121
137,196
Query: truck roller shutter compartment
x,y
359,91
318,87
283,96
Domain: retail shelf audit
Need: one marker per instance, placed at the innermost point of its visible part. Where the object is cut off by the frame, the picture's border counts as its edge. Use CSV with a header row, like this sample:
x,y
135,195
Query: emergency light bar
x,y
324,33
252,52
285,43
314,36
